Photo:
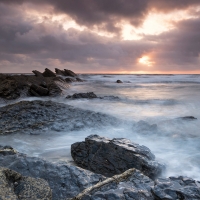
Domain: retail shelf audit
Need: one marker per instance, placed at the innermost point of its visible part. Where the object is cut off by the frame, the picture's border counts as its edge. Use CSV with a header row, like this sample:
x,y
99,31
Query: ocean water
x,y
155,99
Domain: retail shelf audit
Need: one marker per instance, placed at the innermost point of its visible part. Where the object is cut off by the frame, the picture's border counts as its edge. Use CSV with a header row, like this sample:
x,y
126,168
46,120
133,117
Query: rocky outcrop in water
x,y
119,81
88,95
48,73
65,72
14,186
35,117
110,157
65,180
133,185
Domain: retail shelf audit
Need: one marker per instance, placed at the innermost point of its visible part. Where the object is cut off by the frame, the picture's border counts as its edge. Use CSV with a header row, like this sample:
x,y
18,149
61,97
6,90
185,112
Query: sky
x,y
100,36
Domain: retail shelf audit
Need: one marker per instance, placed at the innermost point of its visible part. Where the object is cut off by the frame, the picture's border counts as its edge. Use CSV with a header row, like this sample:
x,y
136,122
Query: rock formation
x,y
110,157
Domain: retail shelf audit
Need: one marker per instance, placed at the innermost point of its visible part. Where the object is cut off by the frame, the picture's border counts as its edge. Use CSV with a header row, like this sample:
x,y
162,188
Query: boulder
x,y
54,90
37,90
88,95
133,185
69,73
35,117
119,81
110,157
65,180
14,186
48,73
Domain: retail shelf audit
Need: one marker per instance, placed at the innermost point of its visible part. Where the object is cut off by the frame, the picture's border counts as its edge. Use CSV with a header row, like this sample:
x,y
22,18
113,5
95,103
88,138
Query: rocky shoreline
x,y
105,168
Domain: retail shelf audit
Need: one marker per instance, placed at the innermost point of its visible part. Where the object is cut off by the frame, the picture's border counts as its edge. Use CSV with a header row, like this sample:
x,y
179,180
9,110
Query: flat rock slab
x,y
110,157
14,186
133,185
65,180
35,117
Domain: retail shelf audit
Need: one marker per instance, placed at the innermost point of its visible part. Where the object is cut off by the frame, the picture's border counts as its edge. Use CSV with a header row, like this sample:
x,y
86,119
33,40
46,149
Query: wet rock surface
x,y
119,81
110,157
48,73
32,117
14,186
65,180
132,184
88,95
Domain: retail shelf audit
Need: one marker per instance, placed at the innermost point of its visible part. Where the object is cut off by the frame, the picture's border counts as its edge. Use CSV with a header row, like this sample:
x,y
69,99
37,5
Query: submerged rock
x,y
88,95
110,157
119,81
188,118
14,186
65,180
41,116
144,127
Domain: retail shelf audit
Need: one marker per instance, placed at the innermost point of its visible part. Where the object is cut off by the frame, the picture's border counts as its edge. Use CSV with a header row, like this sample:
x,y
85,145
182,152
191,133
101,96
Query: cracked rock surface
x,y
110,157
14,186
133,185
39,116
65,180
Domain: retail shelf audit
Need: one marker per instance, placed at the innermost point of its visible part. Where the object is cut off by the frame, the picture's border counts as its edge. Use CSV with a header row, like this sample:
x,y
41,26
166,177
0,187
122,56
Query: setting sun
x,y
145,60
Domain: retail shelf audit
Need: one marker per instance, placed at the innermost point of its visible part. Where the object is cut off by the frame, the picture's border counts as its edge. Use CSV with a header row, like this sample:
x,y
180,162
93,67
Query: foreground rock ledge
x,y
110,157
14,186
65,180
133,185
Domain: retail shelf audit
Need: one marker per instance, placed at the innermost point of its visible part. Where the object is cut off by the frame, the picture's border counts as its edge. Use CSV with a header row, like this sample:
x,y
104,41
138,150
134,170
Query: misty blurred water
x,y
155,99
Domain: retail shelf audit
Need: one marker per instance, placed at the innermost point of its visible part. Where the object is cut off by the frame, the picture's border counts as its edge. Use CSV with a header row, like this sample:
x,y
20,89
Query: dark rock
x,y
79,80
88,95
177,188
131,185
119,81
40,116
7,150
43,84
48,73
65,180
37,90
69,73
9,88
69,80
59,72
110,98
54,90
110,157
14,186
188,118
37,73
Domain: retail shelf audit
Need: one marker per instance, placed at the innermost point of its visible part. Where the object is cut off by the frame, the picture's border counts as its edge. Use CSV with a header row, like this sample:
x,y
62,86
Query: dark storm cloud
x,y
107,14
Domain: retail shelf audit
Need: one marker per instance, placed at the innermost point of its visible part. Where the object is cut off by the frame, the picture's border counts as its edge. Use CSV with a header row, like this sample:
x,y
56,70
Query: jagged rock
x,y
176,188
59,72
43,84
37,90
54,90
131,185
7,150
65,180
110,157
9,88
42,116
48,73
88,95
119,81
69,73
37,73
14,186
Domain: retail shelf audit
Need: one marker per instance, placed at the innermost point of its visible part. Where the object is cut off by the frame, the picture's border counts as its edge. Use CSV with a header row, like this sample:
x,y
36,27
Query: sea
x,y
156,99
